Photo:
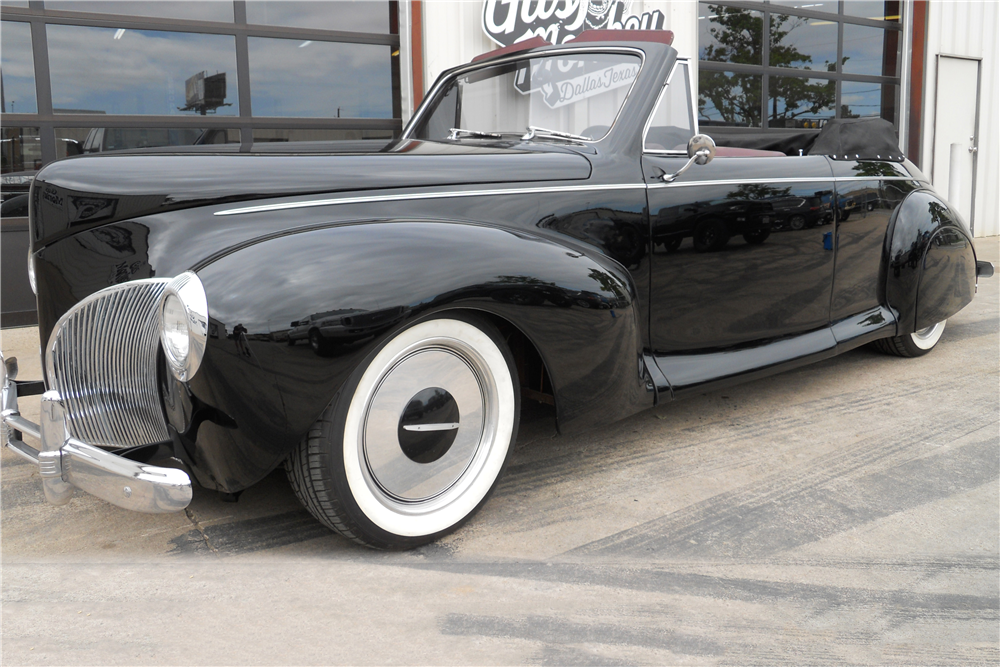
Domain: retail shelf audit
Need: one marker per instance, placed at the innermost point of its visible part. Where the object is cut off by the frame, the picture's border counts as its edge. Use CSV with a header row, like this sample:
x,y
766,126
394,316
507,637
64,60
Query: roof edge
x,y
658,36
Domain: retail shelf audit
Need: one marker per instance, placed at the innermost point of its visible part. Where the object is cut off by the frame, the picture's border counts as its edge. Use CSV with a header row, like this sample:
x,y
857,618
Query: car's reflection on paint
x,y
325,330
752,211
617,232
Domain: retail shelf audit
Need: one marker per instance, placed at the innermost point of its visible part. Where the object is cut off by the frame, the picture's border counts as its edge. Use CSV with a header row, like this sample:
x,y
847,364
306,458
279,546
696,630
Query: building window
x,y
139,72
729,98
20,153
311,78
18,68
214,75
793,101
356,16
813,62
203,10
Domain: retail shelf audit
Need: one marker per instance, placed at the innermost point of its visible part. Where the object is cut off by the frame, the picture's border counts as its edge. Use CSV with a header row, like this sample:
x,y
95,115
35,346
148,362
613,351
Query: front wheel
x,y
915,344
316,341
711,235
672,245
417,438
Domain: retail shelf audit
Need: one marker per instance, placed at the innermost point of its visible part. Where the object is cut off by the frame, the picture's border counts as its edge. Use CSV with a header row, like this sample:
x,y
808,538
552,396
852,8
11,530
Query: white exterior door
x,y
955,132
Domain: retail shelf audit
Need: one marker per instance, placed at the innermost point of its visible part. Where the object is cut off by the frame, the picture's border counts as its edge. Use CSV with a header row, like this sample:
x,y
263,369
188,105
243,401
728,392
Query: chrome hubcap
x,y
426,423
928,332
928,337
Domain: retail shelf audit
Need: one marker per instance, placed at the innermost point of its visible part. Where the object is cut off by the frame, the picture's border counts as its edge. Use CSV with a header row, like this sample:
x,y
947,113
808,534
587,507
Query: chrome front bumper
x,y
65,462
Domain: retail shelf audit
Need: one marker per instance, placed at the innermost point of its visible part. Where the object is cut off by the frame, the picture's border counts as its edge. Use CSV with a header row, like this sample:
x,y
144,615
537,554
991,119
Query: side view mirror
x,y
701,147
701,150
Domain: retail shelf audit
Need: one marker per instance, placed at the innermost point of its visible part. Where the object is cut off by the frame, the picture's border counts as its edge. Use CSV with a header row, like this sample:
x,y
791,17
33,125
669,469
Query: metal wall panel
x,y
970,29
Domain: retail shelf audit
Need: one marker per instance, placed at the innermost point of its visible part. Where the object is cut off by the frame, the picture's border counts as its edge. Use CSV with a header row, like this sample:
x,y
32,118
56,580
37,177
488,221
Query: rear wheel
x,y
711,235
915,344
416,440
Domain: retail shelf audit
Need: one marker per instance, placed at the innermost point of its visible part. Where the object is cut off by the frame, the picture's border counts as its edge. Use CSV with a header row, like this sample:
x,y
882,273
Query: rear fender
x,y
930,263
367,281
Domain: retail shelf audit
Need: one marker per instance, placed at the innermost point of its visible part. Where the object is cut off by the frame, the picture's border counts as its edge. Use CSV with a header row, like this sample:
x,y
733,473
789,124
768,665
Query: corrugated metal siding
x,y
453,35
969,29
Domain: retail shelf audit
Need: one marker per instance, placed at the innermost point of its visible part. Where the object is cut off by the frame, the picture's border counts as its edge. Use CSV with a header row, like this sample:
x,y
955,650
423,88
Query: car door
x,y
743,248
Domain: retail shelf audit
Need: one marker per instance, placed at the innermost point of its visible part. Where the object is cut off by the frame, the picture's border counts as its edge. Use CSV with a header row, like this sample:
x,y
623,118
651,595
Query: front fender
x,y
360,283
930,263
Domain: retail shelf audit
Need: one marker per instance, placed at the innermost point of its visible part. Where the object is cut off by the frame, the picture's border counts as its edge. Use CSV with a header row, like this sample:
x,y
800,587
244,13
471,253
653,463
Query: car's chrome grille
x,y
101,358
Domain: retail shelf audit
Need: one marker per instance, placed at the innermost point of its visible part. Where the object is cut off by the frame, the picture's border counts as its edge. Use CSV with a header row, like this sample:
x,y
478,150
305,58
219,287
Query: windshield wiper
x,y
535,131
457,132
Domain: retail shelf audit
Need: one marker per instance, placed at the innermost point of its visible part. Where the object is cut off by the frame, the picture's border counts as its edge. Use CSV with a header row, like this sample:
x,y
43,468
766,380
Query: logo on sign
x,y
559,93
559,21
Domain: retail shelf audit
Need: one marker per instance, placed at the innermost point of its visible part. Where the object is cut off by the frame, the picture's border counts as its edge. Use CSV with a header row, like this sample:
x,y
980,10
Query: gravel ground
x,y
843,513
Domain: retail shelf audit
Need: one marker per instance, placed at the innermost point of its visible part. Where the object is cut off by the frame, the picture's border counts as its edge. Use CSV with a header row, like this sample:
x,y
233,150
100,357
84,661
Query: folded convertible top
x,y
857,139
840,138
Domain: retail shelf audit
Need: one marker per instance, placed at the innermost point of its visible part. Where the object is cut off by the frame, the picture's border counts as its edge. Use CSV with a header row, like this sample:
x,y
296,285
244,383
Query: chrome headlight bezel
x,y
31,273
189,291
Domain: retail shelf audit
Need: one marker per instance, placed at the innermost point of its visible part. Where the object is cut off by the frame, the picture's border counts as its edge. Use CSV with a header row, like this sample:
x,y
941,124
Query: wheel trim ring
x,y
486,430
415,525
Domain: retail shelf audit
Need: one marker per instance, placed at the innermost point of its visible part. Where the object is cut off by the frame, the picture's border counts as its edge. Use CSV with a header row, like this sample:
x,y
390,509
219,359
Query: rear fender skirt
x,y
928,262
299,313
947,277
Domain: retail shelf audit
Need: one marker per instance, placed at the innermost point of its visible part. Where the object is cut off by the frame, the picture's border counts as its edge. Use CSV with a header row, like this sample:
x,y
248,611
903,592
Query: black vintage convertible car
x,y
509,245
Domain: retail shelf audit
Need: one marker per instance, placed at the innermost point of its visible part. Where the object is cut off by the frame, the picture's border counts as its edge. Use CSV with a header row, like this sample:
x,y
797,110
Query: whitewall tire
x,y
418,437
915,344
927,338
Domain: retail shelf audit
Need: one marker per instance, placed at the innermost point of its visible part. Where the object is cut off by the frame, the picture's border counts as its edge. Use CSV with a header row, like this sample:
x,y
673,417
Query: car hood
x,y
86,191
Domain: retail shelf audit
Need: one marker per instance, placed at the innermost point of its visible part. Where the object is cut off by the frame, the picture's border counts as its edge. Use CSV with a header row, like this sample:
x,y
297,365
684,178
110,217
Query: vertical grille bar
x,y
101,358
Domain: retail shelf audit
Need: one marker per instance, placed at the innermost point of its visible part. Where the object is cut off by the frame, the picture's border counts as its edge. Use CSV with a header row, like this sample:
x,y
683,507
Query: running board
x,y
700,372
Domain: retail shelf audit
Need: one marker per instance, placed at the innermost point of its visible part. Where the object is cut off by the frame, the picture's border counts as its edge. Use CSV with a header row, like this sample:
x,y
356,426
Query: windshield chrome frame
x,y
443,81
686,62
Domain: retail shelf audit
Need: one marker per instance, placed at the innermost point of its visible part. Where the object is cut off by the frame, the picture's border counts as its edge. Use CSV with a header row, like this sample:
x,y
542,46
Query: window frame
x,y
419,117
692,116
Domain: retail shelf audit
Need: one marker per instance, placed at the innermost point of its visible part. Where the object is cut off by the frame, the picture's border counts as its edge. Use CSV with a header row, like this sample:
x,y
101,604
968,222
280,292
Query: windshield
x,y
578,94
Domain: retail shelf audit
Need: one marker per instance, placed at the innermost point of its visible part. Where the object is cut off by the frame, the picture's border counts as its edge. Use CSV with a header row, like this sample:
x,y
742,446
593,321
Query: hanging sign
x,y
559,21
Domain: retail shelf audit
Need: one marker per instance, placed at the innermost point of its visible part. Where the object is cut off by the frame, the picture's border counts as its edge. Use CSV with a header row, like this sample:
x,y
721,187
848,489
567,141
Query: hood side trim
x,y
425,195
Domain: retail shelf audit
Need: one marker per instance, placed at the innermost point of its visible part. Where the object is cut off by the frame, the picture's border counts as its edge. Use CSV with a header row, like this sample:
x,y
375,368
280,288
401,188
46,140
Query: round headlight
x,y
184,325
176,339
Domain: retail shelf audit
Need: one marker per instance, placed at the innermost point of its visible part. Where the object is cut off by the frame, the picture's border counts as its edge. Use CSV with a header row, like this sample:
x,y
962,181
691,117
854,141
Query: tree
x,y
736,97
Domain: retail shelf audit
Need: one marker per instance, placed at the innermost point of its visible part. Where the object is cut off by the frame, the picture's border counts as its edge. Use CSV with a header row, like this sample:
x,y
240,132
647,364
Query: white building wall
x,y
971,29
453,32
